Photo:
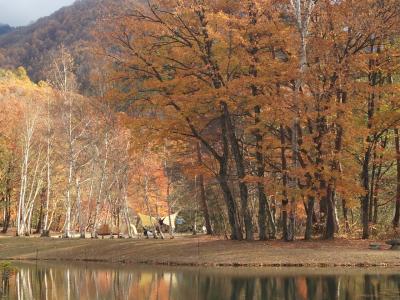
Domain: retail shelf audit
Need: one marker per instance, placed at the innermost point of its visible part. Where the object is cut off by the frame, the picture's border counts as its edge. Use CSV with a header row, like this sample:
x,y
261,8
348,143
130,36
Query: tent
x,y
147,221
172,218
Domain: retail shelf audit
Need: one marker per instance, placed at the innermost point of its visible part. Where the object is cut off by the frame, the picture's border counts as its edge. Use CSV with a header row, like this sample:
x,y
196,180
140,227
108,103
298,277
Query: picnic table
x,y
104,230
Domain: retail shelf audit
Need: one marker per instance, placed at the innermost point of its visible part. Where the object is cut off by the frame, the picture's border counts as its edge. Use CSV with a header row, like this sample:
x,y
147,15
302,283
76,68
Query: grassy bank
x,y
200,251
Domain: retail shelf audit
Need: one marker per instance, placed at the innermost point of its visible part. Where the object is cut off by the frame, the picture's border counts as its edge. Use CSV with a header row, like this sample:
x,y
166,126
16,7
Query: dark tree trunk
x,y
7,210
376,206
262,199
345,216
40,217
365,197
309,222
265,212
285,219
7,215
236,231
264,209
372,186
238,158
377,187
396,218
330,217
39,224
285,202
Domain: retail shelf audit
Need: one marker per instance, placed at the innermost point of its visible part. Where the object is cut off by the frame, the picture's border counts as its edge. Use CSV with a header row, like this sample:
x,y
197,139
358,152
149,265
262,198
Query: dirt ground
x,y
200,251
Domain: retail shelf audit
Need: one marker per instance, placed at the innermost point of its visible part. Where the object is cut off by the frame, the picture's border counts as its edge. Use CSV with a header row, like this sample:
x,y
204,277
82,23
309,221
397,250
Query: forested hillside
x,y
73,26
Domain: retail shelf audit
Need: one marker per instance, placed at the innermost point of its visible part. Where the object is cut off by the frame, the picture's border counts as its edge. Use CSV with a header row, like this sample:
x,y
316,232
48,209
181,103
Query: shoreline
x,y
205,265
203,251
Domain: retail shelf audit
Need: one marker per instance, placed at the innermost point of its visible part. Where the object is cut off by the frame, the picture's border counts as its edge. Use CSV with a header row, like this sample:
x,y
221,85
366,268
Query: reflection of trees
x,y
236,290
5,283
396,280
97,283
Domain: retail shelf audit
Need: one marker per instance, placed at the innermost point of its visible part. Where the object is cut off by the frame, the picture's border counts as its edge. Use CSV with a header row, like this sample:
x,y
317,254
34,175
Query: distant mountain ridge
x,y
5,28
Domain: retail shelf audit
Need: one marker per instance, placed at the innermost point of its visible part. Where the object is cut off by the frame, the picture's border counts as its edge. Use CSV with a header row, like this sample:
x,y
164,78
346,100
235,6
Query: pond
x,y
102,281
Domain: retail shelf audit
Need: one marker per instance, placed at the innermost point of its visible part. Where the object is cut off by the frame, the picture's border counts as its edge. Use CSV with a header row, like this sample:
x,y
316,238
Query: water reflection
x,y
88,281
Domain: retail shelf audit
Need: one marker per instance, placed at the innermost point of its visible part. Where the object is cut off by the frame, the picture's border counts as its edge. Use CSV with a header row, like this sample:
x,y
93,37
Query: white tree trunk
x,y
46,225
29,130
100,194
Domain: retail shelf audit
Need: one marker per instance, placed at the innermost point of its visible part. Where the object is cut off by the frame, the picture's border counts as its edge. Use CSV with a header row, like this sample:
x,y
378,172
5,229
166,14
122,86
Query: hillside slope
x,y
32,46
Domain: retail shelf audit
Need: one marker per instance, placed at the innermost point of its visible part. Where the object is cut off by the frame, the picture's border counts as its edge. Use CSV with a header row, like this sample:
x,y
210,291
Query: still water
x,y
97,281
